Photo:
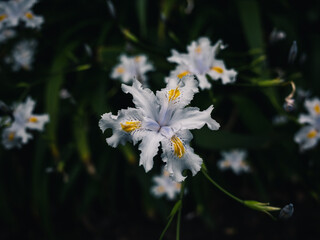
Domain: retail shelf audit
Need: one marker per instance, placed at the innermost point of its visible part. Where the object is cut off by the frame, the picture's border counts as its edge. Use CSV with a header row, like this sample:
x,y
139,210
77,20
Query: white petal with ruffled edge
x,y
37,122
305,142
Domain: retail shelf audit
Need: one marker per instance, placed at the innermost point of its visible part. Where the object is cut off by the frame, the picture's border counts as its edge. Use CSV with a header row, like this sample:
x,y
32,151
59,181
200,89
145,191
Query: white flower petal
x,y
193,118
143,98
305,142
37,121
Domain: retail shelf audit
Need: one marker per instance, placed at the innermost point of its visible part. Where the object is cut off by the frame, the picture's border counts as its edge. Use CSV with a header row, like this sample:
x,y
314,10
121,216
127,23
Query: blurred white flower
x,y
279,119
308,136
163,118
131,68
14,11
164,185
277,35
22,55
6,34
200,60
235,160
16,134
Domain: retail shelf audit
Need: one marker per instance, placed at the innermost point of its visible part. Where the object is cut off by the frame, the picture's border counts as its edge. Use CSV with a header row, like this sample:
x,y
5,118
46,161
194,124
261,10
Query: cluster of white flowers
x,y
161,118
308,136
201,61
234,160
165,186
22,55
14,11
131,68
16,134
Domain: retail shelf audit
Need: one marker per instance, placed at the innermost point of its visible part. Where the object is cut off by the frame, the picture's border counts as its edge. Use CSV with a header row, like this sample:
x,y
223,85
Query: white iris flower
x,y
164,185
309,135
22,55
200,60
161,118
16,134
130,68
13,11
6,34
235,160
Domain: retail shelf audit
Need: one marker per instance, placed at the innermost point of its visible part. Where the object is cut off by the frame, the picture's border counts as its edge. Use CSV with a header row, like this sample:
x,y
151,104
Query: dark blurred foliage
x,y
68,183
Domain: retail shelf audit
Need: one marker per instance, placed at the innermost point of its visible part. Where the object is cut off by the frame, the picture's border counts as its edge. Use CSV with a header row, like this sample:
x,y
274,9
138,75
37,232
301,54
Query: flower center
x,y
11,136
33,119
173,94
181,75
198,49
178,147
312,134
130,126
317,109
29,15
3,17
217,69
120,70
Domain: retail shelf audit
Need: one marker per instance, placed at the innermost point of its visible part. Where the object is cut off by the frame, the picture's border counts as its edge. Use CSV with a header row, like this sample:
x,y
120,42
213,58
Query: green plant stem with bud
x,y
255,205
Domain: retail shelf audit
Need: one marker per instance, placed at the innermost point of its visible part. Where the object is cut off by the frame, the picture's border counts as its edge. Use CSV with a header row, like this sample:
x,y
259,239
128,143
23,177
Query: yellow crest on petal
x,y
312,134
217,69
198,49
181,75
3,17
130,126
316,108
137,59
178,147
120,70
160,189
29,15
33,119
11,136
173,94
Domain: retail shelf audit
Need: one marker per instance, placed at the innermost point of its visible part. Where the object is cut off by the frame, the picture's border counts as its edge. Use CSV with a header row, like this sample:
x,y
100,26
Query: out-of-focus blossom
x,y
308,136
16,134
14,11
286,212
234,160
200,61
279,120
165,186
131,68
6,34
22,55
163,118
277,35
293,52
302,94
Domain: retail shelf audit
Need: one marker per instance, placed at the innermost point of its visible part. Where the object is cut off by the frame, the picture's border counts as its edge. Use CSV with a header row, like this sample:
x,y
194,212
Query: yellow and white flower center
x,y
29,15
316,108
217,69
33,119
130,126
312,134
198,49
120,70
3,17
178,147
160,189
11,136
181,75
173,94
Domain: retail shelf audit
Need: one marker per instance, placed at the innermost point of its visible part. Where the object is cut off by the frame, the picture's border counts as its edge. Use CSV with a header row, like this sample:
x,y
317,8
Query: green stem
x,y
180,209
166,228
219,187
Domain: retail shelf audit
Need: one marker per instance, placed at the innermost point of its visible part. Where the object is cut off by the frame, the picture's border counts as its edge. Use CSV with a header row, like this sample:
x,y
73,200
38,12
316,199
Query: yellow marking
x,y
3,17
178,185
226,163
137,59
130,126
33,119
173,94
243,164
120,70
198,49
29,15
181,75
312,134
166,173
11,136
177,146
317,109
217,69
160,189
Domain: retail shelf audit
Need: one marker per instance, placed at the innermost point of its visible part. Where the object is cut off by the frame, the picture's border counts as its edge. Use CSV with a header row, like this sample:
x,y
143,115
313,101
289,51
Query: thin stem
x,y
180,209
166,228
219,187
